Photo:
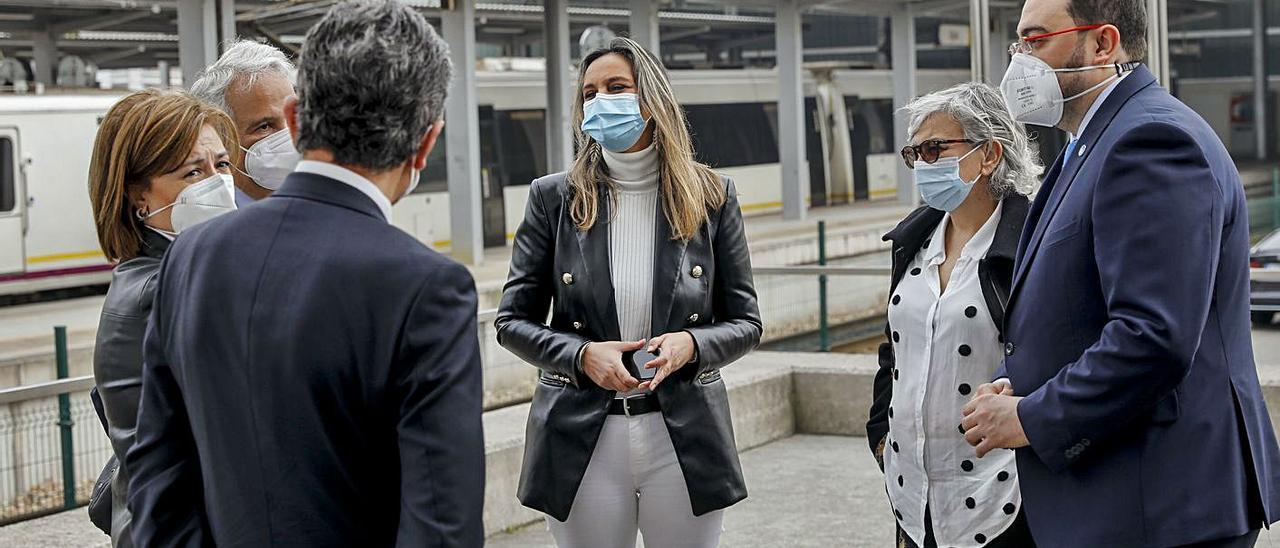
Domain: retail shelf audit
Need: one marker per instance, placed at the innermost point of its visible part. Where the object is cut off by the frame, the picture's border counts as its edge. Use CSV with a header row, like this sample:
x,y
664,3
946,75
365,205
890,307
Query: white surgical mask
x,y
199,202
1031,91
271,159
940,184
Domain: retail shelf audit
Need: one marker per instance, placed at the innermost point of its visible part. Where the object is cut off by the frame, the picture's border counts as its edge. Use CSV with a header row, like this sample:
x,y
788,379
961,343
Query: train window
x,y
435,177
522,148
8,176
733,134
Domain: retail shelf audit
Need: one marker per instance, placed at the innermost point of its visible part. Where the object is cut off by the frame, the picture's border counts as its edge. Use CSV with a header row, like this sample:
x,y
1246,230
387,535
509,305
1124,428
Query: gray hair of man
x,y
981,111
372,79
244,58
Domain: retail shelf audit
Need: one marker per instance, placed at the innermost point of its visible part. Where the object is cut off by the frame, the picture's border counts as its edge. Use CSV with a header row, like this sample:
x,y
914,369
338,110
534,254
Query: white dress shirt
x,y
355,180
945,346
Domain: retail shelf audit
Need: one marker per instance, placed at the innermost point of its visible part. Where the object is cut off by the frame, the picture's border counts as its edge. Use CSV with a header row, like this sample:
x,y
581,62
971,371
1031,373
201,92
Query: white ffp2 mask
x,y
1031,91
271,159
199,202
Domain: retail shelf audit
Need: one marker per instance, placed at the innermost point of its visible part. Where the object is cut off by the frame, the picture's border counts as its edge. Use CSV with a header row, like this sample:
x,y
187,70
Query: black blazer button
x,y
696,272
577,325
567,278
693,318
1008,349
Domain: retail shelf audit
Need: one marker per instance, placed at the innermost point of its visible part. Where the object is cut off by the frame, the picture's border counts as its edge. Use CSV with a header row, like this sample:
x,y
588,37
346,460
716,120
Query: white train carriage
x,y
48,241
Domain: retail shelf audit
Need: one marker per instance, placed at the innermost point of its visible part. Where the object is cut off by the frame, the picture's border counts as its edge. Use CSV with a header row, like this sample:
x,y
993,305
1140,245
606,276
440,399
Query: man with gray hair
x,y
251,82
319,383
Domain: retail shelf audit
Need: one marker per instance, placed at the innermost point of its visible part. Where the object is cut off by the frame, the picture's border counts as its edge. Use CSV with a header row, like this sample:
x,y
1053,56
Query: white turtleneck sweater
x,y
631,240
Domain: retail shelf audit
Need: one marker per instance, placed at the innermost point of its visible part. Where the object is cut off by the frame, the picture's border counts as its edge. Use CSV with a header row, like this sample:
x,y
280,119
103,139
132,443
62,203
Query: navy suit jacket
x,y
1128,333
311,378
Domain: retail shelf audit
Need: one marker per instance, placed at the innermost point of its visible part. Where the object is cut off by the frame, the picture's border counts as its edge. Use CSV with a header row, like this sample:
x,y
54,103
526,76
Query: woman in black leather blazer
x,y
579,227
150,147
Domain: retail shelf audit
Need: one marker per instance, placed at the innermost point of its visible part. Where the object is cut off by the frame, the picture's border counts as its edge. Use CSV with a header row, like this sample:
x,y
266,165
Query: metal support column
x,y
197,37
559,85
644,25
226,24
1002,33
1261,114
162,70
45,53
1158,40
791,149
903,53
462,135
979,40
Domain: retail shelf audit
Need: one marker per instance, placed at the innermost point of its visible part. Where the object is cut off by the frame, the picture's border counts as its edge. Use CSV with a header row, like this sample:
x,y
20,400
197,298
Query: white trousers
x,y
634,481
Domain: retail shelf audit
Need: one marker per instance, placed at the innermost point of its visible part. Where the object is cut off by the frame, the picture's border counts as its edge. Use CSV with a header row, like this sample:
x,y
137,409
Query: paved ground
x,y
815,491
806,491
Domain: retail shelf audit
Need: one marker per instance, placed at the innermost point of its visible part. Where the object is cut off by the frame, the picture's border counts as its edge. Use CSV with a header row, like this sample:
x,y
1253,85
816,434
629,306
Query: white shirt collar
x,y
1097,103
975,248
166,235
351,178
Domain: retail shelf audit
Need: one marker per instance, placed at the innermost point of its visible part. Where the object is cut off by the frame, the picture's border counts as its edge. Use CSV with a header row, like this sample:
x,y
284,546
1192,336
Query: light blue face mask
x,y
613,120
940,184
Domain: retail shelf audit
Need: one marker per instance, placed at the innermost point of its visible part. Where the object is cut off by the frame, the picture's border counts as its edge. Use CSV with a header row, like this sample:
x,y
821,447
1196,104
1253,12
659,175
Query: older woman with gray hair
x,y
952,268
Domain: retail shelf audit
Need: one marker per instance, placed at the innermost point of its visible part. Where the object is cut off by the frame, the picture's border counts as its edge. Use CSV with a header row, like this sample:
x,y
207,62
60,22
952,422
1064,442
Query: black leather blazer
x,y
995,275
117,362
703,286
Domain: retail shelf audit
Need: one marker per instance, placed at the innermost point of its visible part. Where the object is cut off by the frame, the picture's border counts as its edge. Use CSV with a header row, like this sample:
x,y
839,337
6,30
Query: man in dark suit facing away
x,y
1131,395
312,374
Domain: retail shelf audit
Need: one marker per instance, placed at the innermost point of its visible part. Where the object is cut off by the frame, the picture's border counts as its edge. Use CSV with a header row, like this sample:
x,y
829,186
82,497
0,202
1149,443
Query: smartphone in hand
x,y
641,357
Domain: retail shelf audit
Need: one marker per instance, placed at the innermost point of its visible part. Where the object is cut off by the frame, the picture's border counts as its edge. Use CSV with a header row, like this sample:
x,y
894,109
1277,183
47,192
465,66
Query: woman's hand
x,y
602,362
674,351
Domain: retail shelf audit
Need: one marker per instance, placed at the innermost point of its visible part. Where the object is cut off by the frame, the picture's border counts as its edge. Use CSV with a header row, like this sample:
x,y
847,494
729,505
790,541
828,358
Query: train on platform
x,y
48,241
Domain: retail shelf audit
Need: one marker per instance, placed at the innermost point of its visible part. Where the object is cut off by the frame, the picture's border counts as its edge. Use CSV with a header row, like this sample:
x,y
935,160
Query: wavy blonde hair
x,y
689,190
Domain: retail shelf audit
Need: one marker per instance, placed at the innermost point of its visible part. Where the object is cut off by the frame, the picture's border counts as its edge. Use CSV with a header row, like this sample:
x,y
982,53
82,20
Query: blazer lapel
x,y
594,246
1058,186
668,265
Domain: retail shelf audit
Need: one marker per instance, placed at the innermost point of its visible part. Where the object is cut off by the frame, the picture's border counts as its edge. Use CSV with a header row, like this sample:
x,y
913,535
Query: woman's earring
x,y
140,213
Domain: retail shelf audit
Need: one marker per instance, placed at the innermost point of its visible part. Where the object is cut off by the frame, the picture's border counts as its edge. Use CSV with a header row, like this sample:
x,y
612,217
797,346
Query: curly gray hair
x,y
244,58
980,110
372,78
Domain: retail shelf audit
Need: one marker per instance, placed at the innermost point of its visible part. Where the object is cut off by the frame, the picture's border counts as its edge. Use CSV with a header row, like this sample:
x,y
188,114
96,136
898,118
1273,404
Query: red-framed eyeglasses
x,y
1027,43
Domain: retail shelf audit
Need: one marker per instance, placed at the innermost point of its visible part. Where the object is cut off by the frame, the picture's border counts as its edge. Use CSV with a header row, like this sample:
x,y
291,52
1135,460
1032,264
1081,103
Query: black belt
x,y
635,405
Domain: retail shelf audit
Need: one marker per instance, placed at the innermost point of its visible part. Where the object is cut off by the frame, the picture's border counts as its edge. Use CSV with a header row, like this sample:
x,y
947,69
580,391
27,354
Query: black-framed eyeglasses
x,y
928,151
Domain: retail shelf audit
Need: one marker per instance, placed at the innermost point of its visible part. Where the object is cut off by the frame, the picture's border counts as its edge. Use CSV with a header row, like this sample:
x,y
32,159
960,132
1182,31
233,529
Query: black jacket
x,y
312,378
117,363
703,287
995,274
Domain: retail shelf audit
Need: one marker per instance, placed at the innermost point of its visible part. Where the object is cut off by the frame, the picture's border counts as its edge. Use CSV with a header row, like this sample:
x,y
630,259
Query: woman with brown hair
x,y
643,252
160,166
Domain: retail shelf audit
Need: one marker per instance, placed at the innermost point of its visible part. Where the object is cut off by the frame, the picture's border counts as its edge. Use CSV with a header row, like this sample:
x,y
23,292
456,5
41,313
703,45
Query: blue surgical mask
x,y
940,184
613,120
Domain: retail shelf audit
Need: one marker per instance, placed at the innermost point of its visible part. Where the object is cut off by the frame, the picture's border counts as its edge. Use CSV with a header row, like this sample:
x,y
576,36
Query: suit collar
x,y
1061,177
331,191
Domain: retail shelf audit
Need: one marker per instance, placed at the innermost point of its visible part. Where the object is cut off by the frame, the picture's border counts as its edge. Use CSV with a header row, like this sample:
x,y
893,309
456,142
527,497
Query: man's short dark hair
x,y
1130,16
372,79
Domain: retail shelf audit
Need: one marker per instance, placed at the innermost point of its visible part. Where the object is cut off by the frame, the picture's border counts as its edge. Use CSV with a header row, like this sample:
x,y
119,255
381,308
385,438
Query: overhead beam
x,y
644,25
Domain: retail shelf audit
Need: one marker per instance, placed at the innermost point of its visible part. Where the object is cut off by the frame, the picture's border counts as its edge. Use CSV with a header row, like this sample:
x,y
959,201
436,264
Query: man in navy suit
x,y
1131,395
319,383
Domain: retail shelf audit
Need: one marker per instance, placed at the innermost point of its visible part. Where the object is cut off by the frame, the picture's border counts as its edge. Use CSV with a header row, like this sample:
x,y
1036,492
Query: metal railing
x,y
52,445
